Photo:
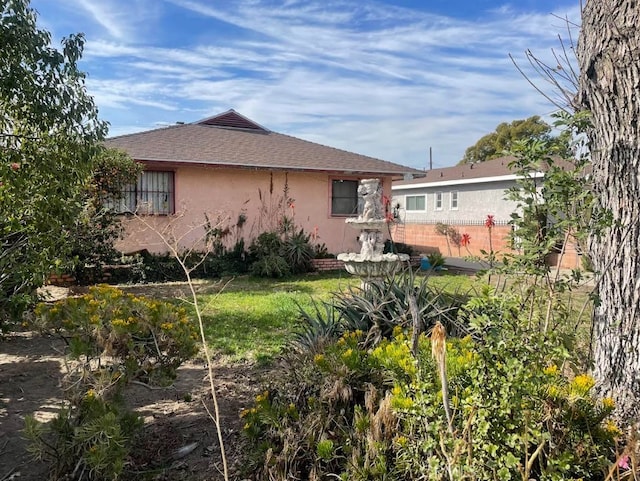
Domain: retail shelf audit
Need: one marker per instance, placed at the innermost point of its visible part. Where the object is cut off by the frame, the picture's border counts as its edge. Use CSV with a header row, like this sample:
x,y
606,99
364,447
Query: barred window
x,y
153,193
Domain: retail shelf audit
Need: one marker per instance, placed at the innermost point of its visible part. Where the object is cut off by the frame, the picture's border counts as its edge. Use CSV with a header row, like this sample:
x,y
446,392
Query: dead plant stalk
x,y
173,248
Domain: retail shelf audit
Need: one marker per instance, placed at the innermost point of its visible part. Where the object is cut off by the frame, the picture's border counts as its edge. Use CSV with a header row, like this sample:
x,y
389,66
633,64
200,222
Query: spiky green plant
x,y
383,305
317,328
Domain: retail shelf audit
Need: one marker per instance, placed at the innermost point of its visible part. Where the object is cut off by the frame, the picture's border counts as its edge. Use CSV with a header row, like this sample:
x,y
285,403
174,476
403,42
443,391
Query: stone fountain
x,y
370,263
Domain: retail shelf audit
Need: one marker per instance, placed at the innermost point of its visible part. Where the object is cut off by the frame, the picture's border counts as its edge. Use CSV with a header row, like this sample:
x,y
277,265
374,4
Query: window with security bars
x,y
344,197
415,202
152,194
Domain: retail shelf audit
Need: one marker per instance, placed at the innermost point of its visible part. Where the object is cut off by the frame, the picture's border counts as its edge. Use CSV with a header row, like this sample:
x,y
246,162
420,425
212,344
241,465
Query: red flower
x,y
489,222
15,166
465,240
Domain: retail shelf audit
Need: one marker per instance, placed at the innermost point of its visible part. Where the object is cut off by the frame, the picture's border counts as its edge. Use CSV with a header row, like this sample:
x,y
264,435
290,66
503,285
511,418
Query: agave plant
x,y
317,328
299,252
383,305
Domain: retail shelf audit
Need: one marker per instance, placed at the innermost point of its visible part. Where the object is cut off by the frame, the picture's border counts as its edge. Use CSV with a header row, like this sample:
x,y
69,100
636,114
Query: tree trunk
x,y
609,58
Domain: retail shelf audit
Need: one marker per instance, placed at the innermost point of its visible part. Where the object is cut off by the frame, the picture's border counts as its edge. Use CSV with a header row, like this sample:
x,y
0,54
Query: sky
x,y
392,79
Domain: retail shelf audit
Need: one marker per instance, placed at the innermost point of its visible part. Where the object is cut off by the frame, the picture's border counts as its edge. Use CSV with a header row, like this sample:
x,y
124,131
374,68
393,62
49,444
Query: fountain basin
x,y
372,267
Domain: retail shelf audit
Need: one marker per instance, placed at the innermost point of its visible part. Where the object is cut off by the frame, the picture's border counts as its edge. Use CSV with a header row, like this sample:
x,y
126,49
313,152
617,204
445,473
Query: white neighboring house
x,y
460,195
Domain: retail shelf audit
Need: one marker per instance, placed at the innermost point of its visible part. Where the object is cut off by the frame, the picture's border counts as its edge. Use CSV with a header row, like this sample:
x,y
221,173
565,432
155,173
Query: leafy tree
x,y
97,226
49,129
494,145
609,70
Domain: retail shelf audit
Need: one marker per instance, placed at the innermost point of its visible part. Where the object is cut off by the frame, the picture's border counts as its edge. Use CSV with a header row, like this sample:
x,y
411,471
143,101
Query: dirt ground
x,y
174,417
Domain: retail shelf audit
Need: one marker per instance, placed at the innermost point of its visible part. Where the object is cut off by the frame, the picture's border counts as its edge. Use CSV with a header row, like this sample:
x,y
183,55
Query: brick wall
x,y
425,239
323,265
328,264
62,280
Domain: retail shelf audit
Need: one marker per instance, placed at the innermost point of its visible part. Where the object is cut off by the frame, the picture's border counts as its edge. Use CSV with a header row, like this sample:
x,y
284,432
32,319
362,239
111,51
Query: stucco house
x,y
462,197
244,178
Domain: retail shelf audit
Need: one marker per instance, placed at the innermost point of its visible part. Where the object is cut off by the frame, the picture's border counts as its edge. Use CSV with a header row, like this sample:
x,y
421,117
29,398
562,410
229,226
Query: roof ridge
x,y
157,129
342,150
222,120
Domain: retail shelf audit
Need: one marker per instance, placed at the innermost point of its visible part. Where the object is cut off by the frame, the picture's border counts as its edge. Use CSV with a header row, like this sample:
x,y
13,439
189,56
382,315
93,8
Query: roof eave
x,y
475,180
270,167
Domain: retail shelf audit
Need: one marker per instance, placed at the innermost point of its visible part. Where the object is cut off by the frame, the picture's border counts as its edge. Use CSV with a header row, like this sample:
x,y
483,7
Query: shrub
x,y
147,267
516,415
320,251
112,338
273,265
265,244
273,256
91,440
436,259
147,339
350,410
398,248
298,252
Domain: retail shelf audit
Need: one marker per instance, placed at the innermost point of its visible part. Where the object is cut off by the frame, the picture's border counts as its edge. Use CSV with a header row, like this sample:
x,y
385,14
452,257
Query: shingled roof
x,y
480,170
232,140
487,171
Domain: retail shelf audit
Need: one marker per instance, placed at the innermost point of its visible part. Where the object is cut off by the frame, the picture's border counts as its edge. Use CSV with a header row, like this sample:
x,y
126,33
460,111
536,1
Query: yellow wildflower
x,y
551,370
397,332
608,403
401,441
612,428
347,354
553,391
583,382
262,397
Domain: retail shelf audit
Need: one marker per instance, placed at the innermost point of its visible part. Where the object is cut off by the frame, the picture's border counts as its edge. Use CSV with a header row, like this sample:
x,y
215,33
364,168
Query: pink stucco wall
x,y
223,194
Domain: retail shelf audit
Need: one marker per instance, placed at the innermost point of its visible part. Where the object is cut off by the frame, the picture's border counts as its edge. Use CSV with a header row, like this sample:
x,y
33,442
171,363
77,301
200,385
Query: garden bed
x,y
174,417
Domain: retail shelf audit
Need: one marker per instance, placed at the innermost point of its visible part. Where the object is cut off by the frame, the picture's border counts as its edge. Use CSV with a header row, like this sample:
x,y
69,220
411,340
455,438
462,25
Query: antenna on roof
x,y
430,158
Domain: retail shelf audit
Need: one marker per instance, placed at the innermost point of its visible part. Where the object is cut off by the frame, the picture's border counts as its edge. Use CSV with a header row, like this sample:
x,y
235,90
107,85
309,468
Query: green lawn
x,y
253,318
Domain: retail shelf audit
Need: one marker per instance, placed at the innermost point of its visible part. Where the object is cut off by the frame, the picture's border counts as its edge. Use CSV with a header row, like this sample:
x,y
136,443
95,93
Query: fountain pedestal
x,y
370,263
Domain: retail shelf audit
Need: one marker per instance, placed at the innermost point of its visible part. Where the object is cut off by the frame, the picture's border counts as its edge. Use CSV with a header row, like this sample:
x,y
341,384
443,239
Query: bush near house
x,y
269,255
273,255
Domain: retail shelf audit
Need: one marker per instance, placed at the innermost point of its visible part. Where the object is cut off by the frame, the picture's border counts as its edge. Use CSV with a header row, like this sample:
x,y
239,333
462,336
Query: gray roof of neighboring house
x,y
490,168
232,140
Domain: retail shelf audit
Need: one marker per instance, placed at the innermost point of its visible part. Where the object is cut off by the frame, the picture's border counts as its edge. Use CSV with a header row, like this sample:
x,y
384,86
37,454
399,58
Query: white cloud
x,y
363,76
